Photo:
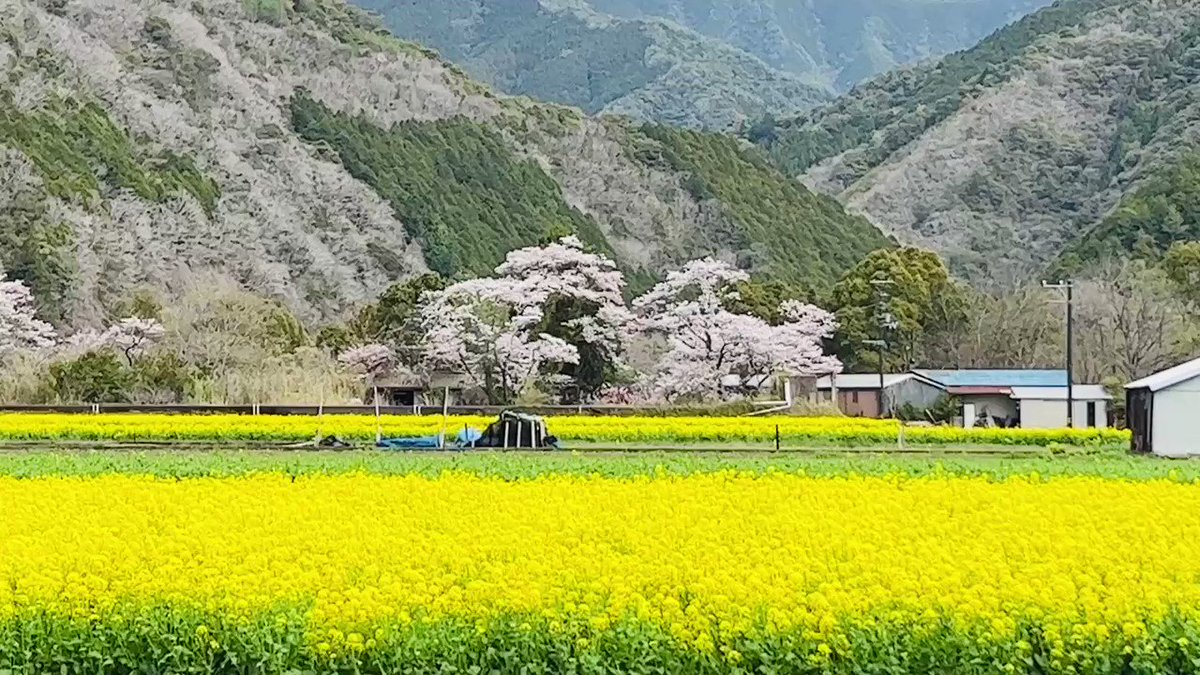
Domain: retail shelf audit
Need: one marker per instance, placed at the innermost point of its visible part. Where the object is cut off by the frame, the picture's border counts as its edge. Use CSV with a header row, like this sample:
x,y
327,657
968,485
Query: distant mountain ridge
x,y
700,63
1066,138
301,151
837,42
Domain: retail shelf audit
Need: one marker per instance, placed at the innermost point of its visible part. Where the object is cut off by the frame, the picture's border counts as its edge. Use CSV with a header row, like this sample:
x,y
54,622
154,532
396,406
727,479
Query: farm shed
x,y
1046,407
407,389
986,395
1164,411
858,394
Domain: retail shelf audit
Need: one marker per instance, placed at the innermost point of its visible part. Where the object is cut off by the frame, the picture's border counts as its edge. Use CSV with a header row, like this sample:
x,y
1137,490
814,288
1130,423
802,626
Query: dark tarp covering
x,y
514,430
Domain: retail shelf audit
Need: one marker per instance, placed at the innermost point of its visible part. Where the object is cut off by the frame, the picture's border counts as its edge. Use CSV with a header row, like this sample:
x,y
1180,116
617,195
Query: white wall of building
x,y
1177,420
992,405
1038,414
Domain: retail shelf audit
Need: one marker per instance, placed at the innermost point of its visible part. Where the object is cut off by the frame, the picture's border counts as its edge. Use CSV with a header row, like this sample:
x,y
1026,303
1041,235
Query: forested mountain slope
x,y
1067,137
301,151
698,63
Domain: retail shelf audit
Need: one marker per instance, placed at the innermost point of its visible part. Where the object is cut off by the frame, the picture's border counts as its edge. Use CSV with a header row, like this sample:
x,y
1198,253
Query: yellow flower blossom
x,y
708,558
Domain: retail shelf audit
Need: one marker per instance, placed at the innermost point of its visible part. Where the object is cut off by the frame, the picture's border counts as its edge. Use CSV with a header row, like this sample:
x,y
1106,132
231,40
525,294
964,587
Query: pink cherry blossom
x,y
370,360
20,329
707,346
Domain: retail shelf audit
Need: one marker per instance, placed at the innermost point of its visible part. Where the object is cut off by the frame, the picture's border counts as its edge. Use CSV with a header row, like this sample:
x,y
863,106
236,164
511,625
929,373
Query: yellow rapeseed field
x,y
1066,569
643,430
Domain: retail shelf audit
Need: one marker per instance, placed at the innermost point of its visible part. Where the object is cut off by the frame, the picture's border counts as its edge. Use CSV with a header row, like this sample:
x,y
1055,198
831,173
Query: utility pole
x,y
884,322
880,344
1068,290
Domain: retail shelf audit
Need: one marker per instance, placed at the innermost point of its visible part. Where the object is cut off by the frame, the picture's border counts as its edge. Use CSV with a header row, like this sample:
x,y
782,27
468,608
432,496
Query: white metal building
x,y
1046,407
1164,411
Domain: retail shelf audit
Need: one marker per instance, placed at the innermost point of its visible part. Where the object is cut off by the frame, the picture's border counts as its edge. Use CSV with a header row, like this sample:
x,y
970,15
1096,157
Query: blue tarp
x,y
464,440
423,443
468,436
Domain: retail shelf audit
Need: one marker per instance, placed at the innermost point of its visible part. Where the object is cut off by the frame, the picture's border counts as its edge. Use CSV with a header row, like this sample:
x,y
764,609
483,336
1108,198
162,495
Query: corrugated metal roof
x,y
863,380
979,391
1168,378
998,378
1081,392
870,380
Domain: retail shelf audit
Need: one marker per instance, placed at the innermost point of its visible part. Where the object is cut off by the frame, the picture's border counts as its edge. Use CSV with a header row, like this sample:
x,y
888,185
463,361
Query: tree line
x,y
557,323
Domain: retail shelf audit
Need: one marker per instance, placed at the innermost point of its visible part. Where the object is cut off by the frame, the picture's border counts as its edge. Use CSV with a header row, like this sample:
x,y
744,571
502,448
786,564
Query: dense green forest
x,y
1164,211
455,184
1159,136
784,231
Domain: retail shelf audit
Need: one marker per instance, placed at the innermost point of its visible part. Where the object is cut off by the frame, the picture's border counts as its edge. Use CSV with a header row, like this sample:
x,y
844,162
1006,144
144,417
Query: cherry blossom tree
x,y
707,346
133,335
20,329
555,311
580,298
486,330
370,361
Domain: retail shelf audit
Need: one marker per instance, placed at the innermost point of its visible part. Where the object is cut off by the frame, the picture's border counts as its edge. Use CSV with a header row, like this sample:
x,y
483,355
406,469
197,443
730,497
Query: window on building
x,y
1091,414
854,396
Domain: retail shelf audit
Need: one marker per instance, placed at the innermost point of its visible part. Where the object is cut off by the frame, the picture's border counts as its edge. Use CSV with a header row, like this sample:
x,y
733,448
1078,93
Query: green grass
x,y
514,466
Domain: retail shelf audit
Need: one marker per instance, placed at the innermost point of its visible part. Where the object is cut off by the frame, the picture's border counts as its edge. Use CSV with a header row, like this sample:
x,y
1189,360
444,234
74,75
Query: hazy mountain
x,y
650,70
706,63
1070,136
836,42
303,152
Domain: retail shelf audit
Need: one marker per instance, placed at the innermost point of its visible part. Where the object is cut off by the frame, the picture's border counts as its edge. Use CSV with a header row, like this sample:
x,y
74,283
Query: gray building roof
x,y
871,380
1168,378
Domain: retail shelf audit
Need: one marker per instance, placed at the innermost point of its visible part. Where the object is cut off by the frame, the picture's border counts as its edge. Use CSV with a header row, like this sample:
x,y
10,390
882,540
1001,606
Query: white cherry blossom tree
x,y
369,361
579,296
132,336
486,330
706,345
20,329
551,310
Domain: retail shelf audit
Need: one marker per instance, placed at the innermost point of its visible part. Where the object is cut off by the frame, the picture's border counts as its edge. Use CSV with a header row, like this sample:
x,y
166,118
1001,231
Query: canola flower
x,y
1081,574
633,430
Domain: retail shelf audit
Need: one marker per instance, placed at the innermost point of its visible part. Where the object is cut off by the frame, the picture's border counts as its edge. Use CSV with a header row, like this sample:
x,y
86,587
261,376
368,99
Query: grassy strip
x,y
516,466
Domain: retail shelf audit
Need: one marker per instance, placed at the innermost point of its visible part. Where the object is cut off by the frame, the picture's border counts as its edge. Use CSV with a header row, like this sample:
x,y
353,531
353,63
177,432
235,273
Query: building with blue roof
x,y
999,379
1031,399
